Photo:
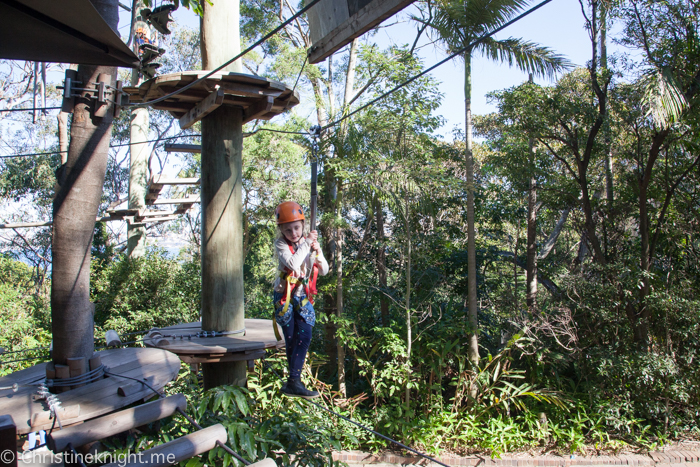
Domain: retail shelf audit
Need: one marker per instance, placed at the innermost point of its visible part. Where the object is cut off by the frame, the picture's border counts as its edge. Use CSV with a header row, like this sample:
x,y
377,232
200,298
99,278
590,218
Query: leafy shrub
x,y
136,294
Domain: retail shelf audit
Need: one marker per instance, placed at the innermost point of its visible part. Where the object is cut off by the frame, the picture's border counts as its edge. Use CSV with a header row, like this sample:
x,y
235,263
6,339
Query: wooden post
x,y
109,425
138,155
221,192
177,450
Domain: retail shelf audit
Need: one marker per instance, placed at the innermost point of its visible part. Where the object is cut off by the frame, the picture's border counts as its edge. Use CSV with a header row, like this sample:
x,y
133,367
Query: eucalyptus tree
x,y
460,25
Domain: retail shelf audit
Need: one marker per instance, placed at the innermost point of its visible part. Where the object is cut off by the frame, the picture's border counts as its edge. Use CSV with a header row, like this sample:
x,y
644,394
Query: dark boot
x,y
295,388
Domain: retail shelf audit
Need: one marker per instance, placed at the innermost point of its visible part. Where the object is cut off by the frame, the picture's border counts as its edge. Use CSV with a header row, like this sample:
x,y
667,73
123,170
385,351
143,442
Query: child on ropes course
x,y
300,261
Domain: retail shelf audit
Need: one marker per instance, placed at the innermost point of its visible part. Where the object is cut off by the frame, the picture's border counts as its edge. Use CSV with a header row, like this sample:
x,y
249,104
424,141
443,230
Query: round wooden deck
x,y
259,336
156,366
259,97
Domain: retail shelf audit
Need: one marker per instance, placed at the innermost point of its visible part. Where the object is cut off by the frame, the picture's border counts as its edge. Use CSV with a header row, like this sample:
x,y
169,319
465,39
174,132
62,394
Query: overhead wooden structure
x,y
260,98
250,346
156,366
335,23
69,31
155,186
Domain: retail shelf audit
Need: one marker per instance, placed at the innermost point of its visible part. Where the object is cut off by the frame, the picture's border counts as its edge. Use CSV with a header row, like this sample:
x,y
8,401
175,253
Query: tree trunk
x,y
531,262
339,309
221,196
138,157
74,210
409,329
472,312
381,263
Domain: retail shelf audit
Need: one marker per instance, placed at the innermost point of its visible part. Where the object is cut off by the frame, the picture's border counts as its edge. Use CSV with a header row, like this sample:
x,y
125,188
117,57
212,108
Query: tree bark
x,y
472,312
138,157
74,210
381,263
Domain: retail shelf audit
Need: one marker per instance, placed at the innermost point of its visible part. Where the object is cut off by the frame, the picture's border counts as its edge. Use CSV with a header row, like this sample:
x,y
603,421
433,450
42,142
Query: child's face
x,y
293,231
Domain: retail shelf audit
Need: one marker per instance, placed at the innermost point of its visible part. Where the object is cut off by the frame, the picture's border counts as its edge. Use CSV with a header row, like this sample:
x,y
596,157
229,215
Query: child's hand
x,y
315,246
312,237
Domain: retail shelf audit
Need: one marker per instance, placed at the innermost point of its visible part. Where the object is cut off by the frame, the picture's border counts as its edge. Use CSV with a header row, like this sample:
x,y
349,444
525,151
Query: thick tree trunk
x,y
74,210
138,158
472,311
221,196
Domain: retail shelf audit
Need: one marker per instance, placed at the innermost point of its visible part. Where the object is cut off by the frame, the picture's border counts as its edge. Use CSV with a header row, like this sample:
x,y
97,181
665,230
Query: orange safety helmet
x,y
289,211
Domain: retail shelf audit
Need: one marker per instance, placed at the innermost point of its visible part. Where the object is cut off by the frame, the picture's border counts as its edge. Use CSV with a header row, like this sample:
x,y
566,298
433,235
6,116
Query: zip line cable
x,y
111,146
23,109
403,446
268,366
195,135
199,80
455,54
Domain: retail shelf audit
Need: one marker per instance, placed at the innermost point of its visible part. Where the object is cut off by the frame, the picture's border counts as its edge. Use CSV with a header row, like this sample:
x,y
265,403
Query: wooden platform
x,y
259,97
259,336
157,366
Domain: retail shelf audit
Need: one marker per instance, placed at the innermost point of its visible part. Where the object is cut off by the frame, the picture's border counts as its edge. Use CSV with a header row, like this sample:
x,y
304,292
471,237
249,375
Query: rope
x,y
221,67
459,52
85,378
181,412
306,59
53,403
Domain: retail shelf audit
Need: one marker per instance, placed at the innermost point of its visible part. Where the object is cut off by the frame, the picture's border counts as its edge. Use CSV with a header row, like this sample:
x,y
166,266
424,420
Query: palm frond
x,y
663,97
525,55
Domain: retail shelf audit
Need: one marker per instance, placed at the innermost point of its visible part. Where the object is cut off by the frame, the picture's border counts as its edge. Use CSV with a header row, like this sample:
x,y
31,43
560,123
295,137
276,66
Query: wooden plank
x,y
246,90
230,357
159,202
202,109
144,214
179,449
191,148
258,109
348,29
113,424
95,399
177,181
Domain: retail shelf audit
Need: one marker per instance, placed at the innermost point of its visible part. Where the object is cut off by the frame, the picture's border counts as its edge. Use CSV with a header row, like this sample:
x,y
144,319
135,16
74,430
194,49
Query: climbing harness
x,y
289,212
293,281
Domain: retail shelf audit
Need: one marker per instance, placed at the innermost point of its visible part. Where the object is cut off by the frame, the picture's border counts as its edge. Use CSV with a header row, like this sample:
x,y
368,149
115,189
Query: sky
x,y
558,25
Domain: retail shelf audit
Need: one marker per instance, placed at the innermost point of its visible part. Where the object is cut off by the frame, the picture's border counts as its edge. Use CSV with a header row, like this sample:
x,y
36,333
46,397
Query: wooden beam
x,y
158,202
345,25
160,180
202,109
110,425
258,109
179,449
191,148
144,213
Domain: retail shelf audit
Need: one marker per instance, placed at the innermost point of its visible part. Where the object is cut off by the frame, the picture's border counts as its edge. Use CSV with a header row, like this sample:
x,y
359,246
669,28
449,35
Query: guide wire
x,y
362,426
24,109
428,70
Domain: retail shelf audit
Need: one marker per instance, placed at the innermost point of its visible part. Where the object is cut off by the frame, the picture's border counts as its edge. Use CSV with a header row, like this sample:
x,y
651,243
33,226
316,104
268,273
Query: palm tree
x,y
458,24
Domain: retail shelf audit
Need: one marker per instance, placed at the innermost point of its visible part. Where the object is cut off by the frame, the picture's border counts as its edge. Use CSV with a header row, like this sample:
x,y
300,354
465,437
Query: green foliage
x,y
136,294
19,312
